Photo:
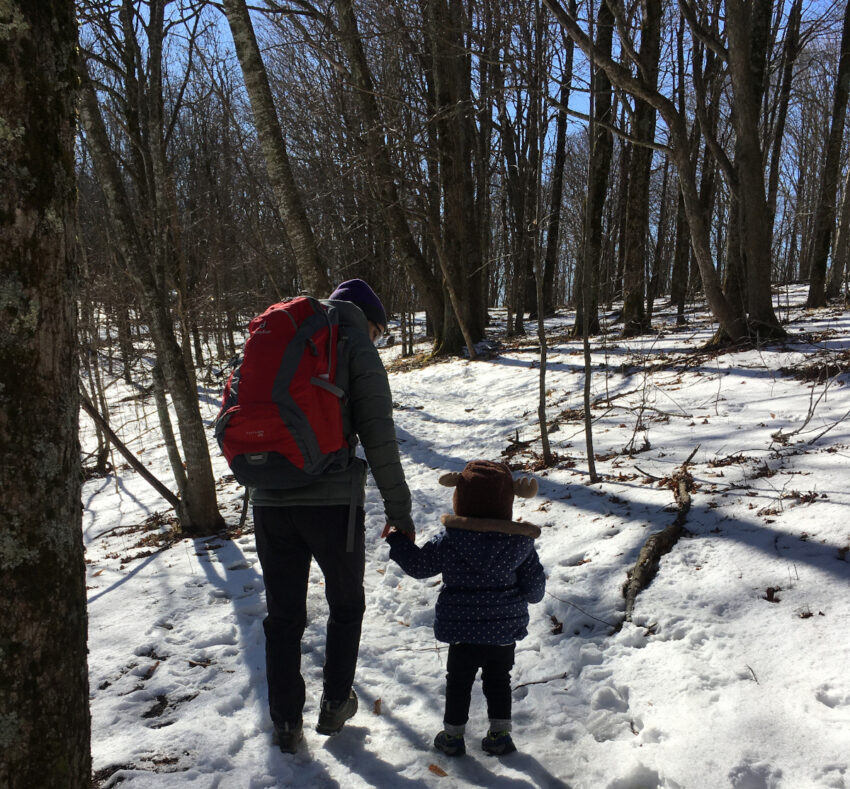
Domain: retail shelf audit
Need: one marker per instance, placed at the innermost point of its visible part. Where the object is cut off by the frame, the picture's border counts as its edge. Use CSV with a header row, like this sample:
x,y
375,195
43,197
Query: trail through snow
x,y
717,682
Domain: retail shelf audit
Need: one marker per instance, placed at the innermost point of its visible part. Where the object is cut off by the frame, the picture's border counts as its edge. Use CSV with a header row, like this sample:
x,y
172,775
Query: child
x,y
491,573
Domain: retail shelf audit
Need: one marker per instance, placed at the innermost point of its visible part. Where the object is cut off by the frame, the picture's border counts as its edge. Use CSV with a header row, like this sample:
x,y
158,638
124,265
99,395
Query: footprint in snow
x,y
642,777
242,564
610,717
755,776
835,776
832,698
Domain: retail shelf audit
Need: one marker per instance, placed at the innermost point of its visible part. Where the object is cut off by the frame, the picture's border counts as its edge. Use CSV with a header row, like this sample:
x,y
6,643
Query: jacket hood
x,y
349,314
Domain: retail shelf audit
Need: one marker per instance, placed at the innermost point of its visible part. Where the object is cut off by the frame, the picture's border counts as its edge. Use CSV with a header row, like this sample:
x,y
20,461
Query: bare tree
x,y
312,269
732,320
747,25
635,319
411,254
144,242
825,216
44,716
553,228
599,165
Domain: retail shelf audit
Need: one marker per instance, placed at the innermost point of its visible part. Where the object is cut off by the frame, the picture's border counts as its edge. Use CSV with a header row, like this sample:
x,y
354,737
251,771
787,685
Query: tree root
x,y
656,545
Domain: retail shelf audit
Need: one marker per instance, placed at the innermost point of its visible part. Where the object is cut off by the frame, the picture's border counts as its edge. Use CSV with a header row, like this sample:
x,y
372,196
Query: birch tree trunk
x,y
44,715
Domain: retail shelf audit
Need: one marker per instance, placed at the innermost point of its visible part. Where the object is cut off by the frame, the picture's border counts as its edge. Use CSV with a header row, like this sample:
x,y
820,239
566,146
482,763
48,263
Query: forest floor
x,y
731,673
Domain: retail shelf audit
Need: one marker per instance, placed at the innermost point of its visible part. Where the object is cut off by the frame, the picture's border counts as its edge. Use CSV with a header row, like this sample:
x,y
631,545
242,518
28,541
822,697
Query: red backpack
x,y
280,423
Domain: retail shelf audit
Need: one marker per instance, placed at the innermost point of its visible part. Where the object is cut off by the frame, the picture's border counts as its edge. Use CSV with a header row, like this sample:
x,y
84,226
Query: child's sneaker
x,y
450,744
498,743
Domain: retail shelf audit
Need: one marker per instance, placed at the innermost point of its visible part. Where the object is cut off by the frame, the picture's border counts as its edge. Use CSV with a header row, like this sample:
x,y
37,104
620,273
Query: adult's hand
x,y
389,529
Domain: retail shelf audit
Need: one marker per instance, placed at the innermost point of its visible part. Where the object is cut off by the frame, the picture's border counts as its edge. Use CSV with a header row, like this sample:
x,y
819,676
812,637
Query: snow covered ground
x,y
733,672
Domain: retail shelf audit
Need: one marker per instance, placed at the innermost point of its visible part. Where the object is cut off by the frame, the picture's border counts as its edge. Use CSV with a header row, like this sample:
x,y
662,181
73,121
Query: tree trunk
x,y
735,275
791,49
635,320
825,214
842,245
747,25
656,278
681,255
544,354
680,269
613,288
412,259
554,225
455,134
313,272
44,693
587,314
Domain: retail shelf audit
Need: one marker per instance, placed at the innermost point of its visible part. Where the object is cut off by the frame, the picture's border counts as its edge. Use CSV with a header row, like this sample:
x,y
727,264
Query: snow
x,y
710,685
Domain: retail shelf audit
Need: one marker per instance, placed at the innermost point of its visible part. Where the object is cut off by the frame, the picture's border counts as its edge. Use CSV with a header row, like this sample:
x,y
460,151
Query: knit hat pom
x,y
485,489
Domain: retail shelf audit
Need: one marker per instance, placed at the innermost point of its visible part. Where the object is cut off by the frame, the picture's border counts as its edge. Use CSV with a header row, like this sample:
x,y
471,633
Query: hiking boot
x,y
288,736
334,714
450,744
498,743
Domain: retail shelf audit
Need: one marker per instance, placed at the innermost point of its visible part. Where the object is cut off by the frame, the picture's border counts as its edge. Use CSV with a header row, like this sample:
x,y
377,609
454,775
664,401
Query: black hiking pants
x,y
495,662
287,539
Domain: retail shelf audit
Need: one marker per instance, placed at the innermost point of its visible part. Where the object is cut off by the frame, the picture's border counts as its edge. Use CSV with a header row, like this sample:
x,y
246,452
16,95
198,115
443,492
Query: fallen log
x,y
656,545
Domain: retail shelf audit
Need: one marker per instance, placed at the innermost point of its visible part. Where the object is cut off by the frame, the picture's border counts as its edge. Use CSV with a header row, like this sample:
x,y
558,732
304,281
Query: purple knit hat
x,y
358,292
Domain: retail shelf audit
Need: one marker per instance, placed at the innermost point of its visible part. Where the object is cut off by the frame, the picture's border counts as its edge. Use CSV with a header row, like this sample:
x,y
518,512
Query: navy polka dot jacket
x,y
489,578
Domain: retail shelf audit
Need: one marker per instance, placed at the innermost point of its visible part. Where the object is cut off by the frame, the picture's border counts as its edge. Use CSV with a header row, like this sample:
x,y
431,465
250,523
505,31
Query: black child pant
x,y
495,662
287,539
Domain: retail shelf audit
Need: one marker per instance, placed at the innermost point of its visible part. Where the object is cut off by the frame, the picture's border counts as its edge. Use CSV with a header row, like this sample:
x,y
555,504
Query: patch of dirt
x,y
529,460
820,370
419,361
796,497
730,460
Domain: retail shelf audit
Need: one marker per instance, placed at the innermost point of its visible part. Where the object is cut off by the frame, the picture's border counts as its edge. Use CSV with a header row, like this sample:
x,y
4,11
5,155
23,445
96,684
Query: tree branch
x,y
701,33
89,408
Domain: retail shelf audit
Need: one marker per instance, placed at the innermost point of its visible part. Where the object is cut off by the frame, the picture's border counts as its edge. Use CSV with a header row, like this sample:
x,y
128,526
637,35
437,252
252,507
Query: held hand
x,y
388,529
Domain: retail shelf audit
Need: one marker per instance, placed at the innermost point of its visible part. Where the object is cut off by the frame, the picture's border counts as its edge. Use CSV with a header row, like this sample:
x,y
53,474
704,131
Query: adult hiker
x,y
294,525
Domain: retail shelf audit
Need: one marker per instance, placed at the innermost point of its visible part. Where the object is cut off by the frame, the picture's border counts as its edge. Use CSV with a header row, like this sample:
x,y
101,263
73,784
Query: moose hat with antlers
x,y
485,490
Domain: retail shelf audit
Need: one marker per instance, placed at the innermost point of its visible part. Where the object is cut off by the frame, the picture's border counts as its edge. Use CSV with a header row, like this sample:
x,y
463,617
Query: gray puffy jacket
x,y
368,414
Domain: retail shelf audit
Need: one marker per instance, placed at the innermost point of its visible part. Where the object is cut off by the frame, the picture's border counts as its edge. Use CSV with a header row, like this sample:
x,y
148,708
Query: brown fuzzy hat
x,y
485,489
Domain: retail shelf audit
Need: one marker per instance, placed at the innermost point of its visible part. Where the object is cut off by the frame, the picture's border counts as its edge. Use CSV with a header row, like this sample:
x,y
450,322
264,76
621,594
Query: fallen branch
x,y
581,610
540,681
89,408
656,545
